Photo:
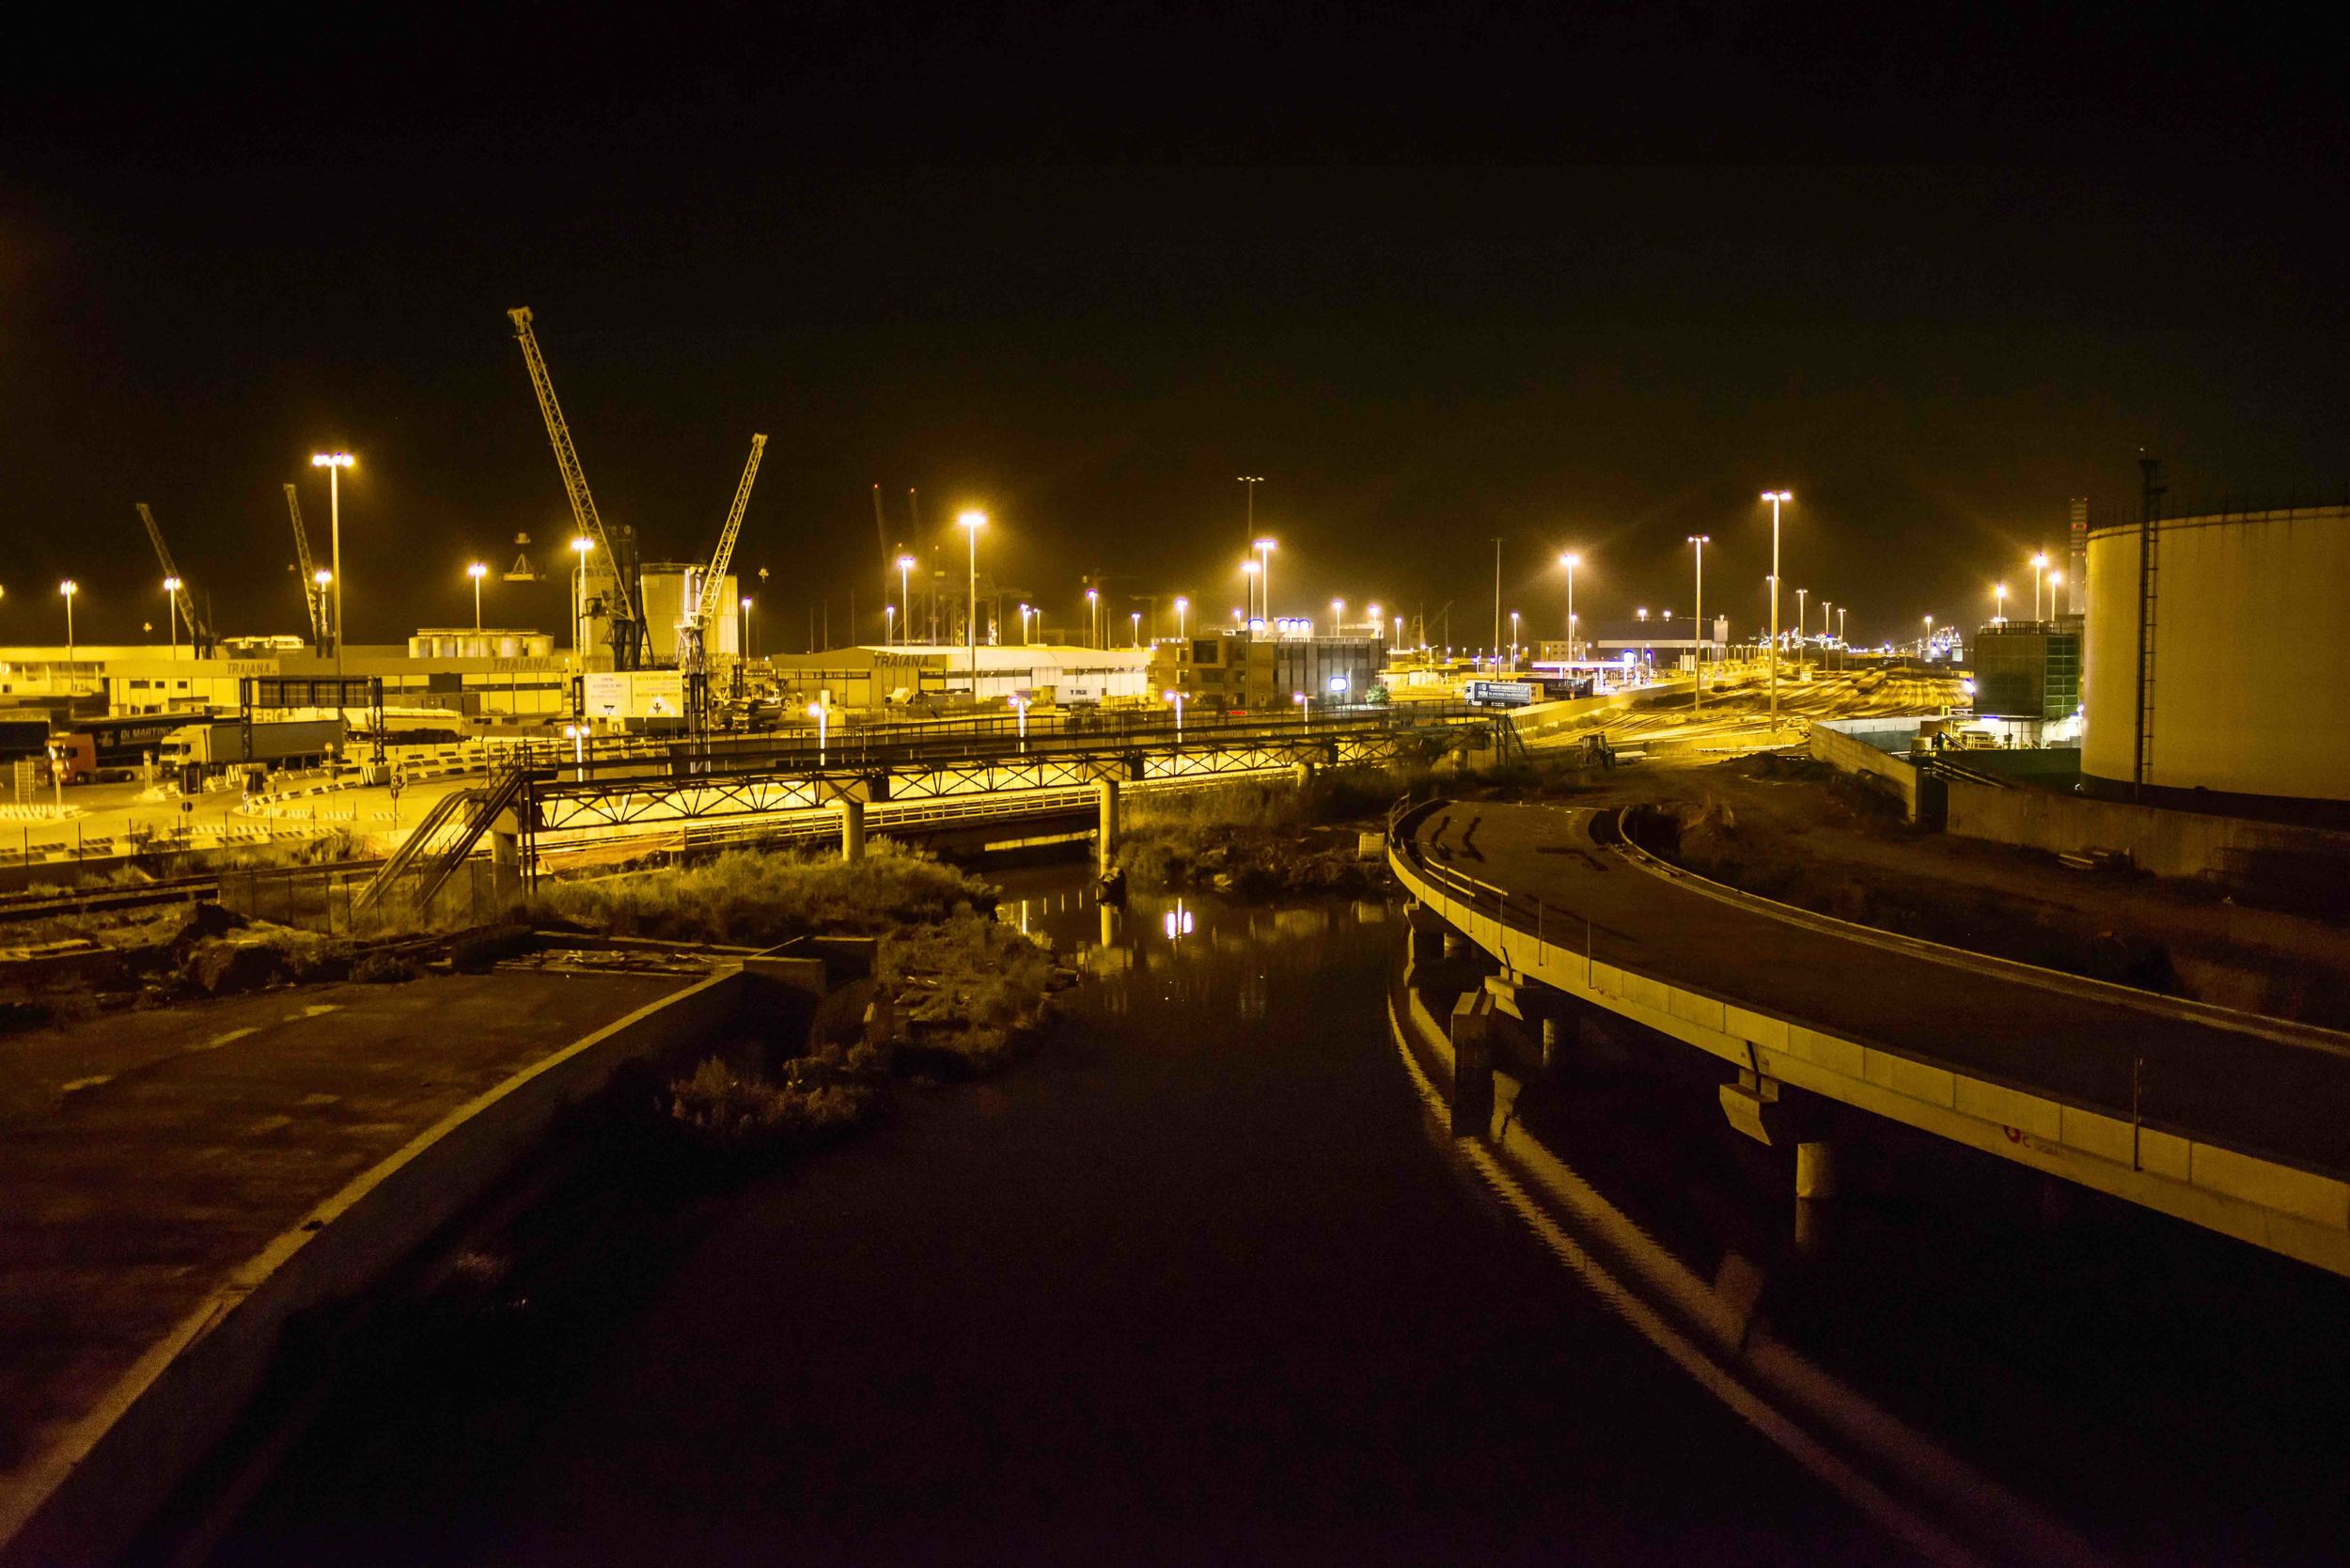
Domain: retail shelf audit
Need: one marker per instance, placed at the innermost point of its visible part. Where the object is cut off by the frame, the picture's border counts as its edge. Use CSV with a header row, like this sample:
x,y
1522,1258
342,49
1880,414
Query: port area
x,y
146,1156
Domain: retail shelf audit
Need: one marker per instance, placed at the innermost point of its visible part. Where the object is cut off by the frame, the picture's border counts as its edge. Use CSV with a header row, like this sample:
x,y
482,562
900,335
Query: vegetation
x,y
751,899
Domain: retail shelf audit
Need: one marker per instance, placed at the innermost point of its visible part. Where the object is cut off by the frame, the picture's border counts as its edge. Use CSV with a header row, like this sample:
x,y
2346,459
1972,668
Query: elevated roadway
x,y
2234,1121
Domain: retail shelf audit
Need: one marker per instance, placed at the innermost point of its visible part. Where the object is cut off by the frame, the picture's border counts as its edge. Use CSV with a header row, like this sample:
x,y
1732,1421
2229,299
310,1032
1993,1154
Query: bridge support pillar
x,y
1106,843
1303,774
1471,1029
851,830
1815,1170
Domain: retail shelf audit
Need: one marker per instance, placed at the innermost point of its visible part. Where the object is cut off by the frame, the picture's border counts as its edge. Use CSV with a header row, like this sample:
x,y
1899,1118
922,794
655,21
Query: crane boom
x,y
705,599
567,460
184,600
313,597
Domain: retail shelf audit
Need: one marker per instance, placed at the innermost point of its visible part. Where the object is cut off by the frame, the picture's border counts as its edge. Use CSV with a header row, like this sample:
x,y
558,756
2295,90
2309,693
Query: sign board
x,y
635,694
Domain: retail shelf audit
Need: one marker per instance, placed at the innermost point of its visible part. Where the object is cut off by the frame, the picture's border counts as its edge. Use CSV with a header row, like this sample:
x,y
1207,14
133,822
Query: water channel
x,y
1207,1281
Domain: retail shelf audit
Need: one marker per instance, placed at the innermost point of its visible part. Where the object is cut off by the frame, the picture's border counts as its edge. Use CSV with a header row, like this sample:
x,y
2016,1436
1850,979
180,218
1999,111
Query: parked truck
x,y
197,751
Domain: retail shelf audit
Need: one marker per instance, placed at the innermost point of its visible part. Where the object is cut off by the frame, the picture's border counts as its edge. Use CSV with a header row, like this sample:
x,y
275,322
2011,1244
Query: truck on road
x,y
217,745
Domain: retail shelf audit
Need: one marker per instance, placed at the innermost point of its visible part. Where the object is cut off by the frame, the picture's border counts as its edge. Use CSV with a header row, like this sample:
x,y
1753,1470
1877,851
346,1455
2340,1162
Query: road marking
x,y
230,1038
86,1083
316,1010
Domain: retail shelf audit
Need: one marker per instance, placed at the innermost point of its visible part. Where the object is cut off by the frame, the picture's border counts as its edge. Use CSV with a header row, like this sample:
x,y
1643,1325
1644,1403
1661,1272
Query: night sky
x,y
1585,280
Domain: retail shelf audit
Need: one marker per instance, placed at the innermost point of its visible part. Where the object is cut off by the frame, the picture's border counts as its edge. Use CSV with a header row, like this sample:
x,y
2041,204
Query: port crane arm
x,y
567,460
184,600
706,597
313,597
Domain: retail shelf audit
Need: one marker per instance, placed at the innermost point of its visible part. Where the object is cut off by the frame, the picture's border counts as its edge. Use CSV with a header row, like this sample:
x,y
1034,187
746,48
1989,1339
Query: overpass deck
x,y
2071,1075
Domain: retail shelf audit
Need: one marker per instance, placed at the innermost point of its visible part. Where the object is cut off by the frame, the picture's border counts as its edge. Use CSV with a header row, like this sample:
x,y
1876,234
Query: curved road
x,y
2246,1088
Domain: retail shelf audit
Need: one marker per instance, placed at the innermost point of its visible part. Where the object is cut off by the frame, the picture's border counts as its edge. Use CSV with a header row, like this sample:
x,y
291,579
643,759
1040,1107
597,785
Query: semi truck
x,y
215,745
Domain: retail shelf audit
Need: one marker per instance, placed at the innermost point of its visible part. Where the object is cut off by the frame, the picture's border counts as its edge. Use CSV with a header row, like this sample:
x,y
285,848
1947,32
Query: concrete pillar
x,y
1815,1170
1455,944
1303,774
1105,842
1472,1066
1550,1044
851,830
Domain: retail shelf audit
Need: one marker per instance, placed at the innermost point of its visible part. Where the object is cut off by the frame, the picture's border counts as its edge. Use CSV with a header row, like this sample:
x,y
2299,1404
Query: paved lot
x,y
144,1156
2221,1085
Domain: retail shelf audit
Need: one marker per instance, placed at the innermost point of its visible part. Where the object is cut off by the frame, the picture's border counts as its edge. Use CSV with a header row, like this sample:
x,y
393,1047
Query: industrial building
x,y
875,675
2212,676
2028,669
1246,670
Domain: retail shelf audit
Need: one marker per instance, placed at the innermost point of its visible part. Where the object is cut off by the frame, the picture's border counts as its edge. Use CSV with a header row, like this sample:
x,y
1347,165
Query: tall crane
x,y
183,597
628,630
313,595
693,630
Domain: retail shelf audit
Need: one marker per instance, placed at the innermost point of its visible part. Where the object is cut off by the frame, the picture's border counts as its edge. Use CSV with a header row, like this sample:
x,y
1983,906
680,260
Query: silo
x,y
2249,688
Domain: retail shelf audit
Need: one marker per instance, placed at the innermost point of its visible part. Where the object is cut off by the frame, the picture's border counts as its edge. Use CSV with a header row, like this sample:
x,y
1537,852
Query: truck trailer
x,y
197,751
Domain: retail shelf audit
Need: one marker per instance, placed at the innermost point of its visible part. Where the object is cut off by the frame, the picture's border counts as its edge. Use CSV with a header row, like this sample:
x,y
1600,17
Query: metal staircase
x,y
447,836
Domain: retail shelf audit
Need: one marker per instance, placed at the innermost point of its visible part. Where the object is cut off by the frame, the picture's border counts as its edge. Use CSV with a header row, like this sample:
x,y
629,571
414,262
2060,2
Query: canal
x,y
1207,1281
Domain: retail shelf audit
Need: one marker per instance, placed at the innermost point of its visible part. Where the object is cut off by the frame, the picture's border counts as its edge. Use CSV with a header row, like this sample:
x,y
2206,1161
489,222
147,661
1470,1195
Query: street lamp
x,y
1514,642
1264,575
171,613
476,571
905,566
1925,643
2039,564
971,523
1252,481
816,712
1376,619
1020,707
1248,584
1776,497
69,589
580,547
1303,717
743,633
2056,581
1177,699
1802,618
1697,699
1093,616
1570,560
334,462
1136,616
322,577
577,736
1337,617
1183,612
1999,603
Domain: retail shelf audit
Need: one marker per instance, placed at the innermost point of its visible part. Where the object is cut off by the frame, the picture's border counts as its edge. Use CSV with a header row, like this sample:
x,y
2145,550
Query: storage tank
x,y
2250,676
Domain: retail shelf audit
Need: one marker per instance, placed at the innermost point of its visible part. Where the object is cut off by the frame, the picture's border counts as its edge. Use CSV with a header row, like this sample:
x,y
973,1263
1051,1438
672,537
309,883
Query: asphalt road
x,y
2232,1087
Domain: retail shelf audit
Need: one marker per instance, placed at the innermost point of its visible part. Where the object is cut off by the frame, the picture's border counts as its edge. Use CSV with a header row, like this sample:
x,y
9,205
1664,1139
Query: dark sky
x,y
1579,278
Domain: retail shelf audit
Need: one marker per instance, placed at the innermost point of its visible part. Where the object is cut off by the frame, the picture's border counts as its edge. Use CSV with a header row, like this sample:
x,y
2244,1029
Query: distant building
x,y
2028,669
1241,669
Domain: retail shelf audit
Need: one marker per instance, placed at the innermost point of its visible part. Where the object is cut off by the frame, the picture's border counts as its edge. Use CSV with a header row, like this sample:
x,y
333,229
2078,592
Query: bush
x,y
383,969
751,1115
758,899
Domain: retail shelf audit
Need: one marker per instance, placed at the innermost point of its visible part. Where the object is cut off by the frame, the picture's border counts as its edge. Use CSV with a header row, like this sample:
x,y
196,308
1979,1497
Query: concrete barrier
x,y
1838,744
2163,842
86,1497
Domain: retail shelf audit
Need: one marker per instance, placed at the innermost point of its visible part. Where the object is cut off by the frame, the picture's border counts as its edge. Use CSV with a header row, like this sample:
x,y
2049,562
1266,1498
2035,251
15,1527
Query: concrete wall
x,y
2251,665
1839,746
83,1500
2168,843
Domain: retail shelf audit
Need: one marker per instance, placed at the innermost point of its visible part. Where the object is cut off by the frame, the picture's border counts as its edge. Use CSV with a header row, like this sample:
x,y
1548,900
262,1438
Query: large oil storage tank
x,y
2248,693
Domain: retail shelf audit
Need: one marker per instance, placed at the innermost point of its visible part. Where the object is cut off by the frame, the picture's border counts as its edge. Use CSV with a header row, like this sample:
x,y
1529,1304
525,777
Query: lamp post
x,y
334,462
1264,575
972,521
69,589
1337,617
1093,616
1248,587
476,571
1697,699
1252,481
577,736
321,578
905,566
1841,644
1177,699
1304,719
1182,613
1136,636
1020,708
580,547
171,613
1570,560
889,624
1641,615
1999,603
1776,497
2056,581
1925,643
816,712
1802,618
2039,564
743,631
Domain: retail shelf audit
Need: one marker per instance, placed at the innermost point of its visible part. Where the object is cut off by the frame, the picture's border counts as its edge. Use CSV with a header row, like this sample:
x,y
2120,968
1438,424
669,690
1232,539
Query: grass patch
x,y
752,899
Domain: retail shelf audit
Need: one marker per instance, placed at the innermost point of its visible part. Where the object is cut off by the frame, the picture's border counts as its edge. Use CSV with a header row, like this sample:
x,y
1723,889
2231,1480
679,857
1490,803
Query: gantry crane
x,y
693,633
628,629
313,591
183,593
